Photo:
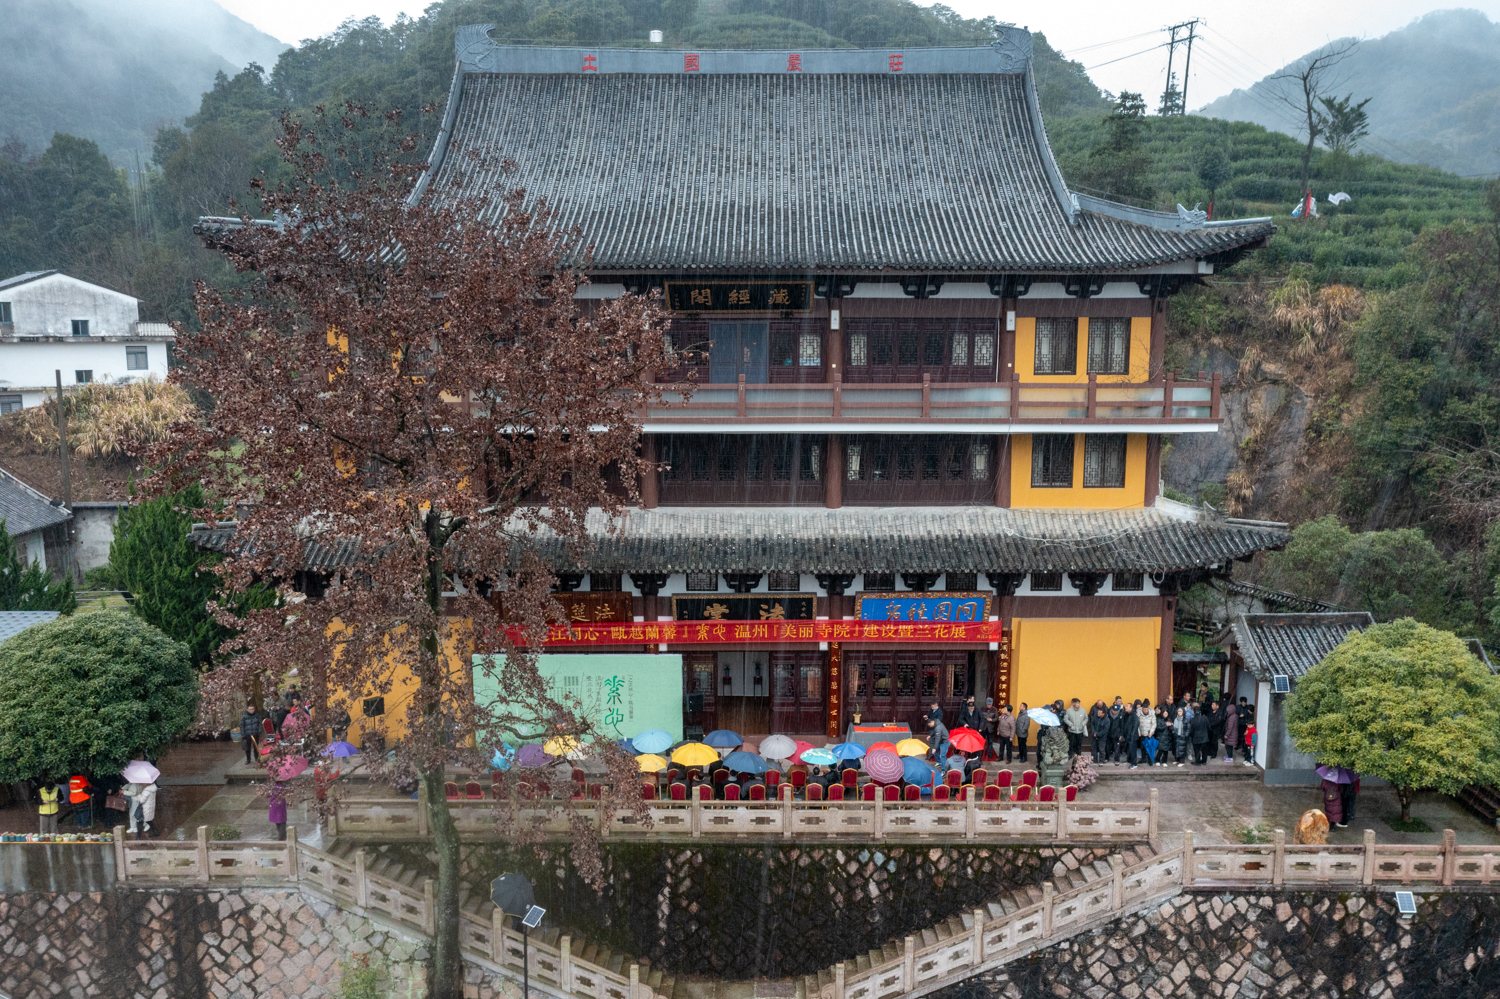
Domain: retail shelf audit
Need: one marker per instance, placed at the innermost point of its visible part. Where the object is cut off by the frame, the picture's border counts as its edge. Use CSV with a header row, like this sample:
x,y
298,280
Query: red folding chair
x,y
720,777
450,790
913,793
1029,778
1003,778
731,792
868,794
954,779
799,779
672,775
678,790
524,790
892,792
773,780
579,790
968,793
850,778
981,778
836,792
1022,793
1070,792
1046,793
473,789
815,792
941,792
579,776
992,793
757,792
596,792
648,791
705,793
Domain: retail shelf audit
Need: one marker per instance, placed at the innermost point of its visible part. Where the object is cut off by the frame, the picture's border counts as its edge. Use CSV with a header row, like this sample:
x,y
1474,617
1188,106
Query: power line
x,y
1132,55
1117,41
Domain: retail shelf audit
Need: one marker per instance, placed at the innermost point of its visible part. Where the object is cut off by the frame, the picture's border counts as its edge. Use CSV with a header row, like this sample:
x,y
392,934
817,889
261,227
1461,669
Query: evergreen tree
x,y
1117,164
25,585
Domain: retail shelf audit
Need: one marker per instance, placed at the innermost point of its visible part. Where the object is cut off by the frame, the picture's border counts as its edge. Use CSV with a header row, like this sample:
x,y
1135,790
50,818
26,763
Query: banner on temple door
x,y
787,632
835,688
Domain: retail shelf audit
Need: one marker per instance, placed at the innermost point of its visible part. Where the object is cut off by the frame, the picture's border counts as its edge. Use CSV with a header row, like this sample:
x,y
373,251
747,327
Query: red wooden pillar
x,y
833,472
1158,339
649,476
1164,651
1003,448
1153,467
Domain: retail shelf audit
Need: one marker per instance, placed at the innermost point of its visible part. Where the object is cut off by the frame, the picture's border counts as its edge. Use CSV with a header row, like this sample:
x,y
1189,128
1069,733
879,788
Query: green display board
x,y
622,694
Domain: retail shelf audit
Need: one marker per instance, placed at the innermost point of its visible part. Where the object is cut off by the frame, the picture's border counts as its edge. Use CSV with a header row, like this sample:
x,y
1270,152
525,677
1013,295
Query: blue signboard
x,y
922,607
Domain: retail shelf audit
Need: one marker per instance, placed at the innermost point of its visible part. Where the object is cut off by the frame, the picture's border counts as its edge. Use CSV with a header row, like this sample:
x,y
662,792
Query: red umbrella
x,y
966,740
889,747
884,766
802,747
288,767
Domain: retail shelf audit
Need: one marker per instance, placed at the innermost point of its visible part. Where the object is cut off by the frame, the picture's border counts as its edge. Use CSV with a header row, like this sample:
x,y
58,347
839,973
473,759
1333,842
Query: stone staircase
x,y
1067,875
385,865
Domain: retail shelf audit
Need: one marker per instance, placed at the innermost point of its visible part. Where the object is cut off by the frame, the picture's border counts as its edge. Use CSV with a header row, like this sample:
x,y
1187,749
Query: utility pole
x,y
67,481
1191,28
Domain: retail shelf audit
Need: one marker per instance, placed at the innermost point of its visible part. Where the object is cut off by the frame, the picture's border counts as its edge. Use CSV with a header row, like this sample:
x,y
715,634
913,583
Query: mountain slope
x,y
114,70
1435,89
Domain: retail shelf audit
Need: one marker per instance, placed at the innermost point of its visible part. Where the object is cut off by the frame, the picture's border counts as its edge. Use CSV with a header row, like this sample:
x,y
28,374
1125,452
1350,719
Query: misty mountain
x,y
114,70
1435,89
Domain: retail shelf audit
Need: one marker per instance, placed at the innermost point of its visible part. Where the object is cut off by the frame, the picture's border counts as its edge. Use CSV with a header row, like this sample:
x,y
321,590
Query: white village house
x,y
50,322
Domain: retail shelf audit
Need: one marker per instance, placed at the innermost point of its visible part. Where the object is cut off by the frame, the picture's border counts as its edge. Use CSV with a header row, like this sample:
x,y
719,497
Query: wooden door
x,y
797,695
872,678
907,704
698,681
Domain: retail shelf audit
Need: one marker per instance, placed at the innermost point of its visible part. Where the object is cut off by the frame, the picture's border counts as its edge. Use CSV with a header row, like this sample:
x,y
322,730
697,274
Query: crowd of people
x,y
1120,734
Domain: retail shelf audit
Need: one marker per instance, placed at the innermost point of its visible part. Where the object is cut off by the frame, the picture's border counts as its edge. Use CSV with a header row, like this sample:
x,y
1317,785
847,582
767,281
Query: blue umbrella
x,y
502,758
745,763
847,750
340,749
628,746
917,772
723,739
819,757
653,740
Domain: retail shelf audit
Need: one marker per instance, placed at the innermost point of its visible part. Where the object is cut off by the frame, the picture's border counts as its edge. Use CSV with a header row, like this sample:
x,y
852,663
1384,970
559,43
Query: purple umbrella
x,y
884,766
532,756
1337,774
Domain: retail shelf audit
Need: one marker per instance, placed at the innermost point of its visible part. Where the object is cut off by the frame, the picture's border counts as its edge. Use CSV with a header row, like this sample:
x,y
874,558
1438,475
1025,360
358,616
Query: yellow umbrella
x,y
651,763
911,747
695,754
563,745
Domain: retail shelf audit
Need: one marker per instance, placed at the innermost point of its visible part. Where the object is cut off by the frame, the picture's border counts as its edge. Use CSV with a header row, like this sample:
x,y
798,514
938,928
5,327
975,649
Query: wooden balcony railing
x,y
1169,401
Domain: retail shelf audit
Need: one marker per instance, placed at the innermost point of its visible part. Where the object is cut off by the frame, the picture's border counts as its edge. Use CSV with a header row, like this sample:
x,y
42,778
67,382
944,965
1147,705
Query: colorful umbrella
x,y
564,745
966,740
847,750
340,749
1043,716
650,763
911,747
889,747
818,757
653,740
694,754
1338,775
532,756
778,747
745,763
802,747
502,758
723,739
884,766
287,768
916,771
140,772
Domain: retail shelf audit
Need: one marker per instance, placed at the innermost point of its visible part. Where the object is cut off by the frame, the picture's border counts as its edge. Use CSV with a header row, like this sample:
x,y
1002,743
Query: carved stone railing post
x,y
122,869
695,813
909,965
1367,876
785,791
361,883
838,979
635,981
1062,816
971,818
422,809
497,939
204,873
1450,856
1048,891
1189,862
1153,809
293,857
1278,868
1117,882
978,948
565,964
879,814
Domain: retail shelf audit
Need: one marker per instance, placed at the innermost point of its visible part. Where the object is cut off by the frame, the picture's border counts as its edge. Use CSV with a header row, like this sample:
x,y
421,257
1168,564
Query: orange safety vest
x,y
78,789
50,798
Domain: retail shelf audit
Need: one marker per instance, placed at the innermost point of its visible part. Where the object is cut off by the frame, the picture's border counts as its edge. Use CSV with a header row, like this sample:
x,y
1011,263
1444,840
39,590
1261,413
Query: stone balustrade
x,y
1276,863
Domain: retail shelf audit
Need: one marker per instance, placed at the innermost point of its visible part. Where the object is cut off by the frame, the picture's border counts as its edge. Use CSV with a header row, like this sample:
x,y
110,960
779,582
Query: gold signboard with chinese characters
x,y
746,607
739,296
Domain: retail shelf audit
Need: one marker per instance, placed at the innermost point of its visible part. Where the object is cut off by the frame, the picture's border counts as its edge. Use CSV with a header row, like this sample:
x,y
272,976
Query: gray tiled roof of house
x,y
1165,538
844,166
20,279
14,622
1291,643
24,509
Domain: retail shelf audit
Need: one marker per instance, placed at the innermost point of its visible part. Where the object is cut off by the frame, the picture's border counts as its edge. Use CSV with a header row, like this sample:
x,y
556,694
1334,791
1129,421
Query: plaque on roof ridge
x,y
478,53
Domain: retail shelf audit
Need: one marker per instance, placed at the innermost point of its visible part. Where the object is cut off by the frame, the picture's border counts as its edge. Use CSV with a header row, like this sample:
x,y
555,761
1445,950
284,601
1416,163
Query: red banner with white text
x,y
728,632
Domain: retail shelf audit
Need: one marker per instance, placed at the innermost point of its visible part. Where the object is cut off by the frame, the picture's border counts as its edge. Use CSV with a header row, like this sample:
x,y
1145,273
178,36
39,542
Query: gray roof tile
x,y
1291,643
12,623
24,509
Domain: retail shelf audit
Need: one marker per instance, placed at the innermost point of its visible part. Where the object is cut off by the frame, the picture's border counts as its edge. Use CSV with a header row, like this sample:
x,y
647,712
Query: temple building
x,y
922,459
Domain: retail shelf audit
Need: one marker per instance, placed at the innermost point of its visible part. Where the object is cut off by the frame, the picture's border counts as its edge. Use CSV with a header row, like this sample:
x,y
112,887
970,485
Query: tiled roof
x,y
14,622
24,509
886,539
855,168
1291,643
18,279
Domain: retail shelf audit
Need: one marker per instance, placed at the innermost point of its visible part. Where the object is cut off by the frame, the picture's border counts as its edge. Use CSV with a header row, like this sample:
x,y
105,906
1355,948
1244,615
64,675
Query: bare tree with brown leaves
x,y
414,382
1311,78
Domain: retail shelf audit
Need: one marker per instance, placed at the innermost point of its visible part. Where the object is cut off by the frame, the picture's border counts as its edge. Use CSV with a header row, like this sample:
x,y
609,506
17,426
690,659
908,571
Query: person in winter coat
x,y
1099,731
1231,730
140,800
968,715
989,721
250,730
1146,729
1347,794
1005,733
1126,734
1023,730
1076,721
1333,803
1199,730
276,812
1181,734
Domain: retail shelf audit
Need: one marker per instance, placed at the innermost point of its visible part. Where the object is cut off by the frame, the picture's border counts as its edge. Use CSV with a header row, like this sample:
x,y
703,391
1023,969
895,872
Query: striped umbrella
x,y
884,766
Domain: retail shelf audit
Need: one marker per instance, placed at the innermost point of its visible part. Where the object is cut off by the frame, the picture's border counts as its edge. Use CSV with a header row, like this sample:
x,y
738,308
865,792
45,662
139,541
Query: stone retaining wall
x,y
1248,946
200,943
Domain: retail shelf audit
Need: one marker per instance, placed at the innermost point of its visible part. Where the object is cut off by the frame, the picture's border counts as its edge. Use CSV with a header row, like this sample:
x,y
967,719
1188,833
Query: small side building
x,y
1263,647
37,526
50,322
